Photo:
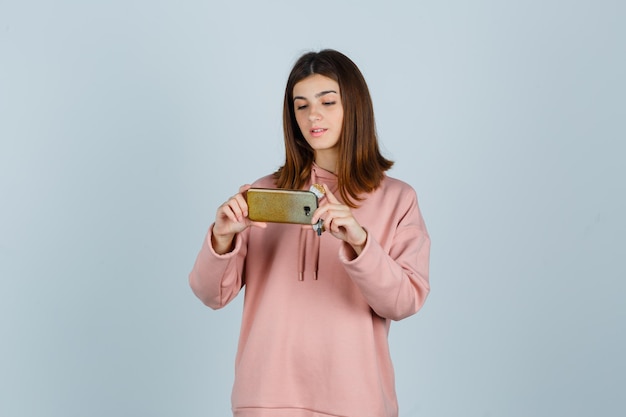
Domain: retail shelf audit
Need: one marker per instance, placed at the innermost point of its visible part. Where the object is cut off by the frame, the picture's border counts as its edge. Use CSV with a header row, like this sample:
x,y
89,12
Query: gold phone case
x,y
280,205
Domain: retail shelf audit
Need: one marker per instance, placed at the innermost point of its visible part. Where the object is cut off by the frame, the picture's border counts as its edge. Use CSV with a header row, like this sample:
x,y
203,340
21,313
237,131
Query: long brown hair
x,y
361,166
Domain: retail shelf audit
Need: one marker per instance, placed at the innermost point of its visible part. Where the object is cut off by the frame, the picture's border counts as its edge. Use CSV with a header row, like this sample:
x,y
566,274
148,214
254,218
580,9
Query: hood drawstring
x,y
306,233
301,250
308,238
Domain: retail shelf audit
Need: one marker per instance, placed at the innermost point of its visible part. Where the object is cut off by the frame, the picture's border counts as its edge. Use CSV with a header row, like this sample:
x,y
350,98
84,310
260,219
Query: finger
x,y
230,214
242,203
238,206
317,214
335,227
261,225
323,212
328,204
241,208
342,223
331,197
225,216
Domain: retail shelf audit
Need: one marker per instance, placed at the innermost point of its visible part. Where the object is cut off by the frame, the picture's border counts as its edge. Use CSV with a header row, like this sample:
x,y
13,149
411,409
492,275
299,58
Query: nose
x,y
314,114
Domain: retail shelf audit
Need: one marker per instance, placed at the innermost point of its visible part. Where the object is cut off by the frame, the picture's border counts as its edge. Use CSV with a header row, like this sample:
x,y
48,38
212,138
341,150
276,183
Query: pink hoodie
x,y
317,346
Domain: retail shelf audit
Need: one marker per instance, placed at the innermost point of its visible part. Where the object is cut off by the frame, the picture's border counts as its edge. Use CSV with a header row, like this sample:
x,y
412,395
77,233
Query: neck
x,y
327,161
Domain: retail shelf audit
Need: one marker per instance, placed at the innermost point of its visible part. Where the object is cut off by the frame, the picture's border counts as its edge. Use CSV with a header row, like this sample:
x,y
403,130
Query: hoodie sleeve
x,y
394,282
216,279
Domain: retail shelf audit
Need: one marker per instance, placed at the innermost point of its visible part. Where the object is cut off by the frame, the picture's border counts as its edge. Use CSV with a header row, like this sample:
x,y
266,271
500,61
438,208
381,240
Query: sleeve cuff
x,y
226,255
348,256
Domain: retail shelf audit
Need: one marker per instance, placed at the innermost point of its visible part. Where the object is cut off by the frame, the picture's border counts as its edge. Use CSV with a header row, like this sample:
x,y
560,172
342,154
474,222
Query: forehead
x,y
314,84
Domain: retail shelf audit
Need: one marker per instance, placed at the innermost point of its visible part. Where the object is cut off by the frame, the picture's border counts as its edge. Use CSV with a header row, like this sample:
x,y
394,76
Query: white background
x,y
124,124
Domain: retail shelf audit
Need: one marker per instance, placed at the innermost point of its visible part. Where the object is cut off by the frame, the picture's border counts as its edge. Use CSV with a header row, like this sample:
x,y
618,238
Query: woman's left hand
x,y
340,222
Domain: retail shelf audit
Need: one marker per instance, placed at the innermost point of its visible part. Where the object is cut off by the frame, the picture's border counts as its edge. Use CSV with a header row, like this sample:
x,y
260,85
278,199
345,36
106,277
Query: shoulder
x,y
393,186
393,196
265,182
391,206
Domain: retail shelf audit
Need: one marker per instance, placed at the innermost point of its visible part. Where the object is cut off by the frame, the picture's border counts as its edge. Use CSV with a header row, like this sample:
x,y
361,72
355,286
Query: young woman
x,y
317,309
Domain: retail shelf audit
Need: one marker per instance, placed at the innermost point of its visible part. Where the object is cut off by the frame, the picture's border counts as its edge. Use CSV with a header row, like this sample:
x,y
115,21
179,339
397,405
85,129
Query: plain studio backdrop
x,y
124,124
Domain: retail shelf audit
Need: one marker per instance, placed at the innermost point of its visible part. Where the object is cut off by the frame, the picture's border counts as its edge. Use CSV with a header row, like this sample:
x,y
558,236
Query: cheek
x,y
340,115
300,120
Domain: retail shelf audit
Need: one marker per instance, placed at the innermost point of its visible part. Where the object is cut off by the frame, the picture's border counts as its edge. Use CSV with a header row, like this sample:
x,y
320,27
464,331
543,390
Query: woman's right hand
x,y
231,218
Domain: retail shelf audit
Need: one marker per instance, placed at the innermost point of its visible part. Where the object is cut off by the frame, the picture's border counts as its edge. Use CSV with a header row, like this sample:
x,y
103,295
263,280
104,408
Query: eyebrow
x,y
318,95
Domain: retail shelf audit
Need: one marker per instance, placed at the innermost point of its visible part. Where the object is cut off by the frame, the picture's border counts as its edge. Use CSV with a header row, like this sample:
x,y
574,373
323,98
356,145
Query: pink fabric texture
x,y
318,346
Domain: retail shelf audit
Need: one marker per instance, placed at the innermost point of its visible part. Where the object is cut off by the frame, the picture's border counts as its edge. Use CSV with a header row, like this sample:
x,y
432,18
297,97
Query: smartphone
x,y
281,206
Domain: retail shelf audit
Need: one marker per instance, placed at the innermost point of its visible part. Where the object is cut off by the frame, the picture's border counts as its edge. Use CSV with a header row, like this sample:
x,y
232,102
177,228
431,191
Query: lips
x,y
317,132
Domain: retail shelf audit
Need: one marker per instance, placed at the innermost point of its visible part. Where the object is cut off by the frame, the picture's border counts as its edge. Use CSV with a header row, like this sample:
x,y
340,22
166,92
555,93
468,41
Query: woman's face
x,y
319,113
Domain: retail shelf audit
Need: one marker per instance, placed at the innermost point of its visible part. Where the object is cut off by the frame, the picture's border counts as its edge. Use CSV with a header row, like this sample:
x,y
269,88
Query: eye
x,y
329,103
301,107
